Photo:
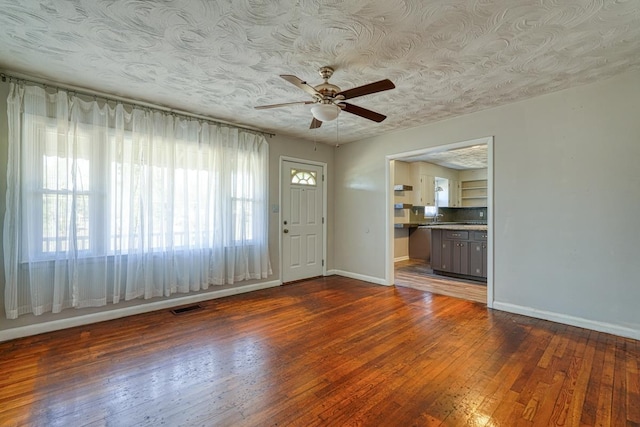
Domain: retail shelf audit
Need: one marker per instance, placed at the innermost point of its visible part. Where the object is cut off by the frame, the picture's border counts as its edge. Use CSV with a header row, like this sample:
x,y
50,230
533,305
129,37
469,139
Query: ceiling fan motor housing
x,y
326,89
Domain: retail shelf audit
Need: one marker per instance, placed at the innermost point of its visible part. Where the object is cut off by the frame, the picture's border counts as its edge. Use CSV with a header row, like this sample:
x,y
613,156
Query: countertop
x,y
459,226
445,226
409,225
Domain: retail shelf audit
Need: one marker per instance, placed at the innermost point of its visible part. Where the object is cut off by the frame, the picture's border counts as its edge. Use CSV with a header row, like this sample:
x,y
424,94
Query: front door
x,y
302,238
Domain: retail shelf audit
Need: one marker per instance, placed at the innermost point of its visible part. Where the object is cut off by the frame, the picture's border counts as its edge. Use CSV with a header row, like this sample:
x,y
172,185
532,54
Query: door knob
x,y
285,231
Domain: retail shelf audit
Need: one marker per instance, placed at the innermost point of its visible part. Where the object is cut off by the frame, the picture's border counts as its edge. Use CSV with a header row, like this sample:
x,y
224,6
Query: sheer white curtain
x,y
105,204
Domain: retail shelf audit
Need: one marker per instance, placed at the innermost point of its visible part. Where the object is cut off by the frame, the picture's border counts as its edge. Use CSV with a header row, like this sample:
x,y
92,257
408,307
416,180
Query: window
x,y
136,204
74,207
303,177
64,194
242,196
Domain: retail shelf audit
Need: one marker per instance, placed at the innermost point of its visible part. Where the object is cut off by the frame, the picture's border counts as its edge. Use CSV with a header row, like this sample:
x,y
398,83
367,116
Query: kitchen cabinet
x,y
459,253
424,185
454,193
428,190
456,243
443,251
478,254
460,259
439,257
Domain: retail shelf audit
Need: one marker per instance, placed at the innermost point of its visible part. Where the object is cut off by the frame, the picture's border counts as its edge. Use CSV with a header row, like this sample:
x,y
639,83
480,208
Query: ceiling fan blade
x,y
263,107
380,86
302,85
315,123
362,112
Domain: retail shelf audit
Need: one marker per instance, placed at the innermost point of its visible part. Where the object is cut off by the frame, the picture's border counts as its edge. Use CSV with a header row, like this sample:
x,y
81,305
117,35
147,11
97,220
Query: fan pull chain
x,y
315,140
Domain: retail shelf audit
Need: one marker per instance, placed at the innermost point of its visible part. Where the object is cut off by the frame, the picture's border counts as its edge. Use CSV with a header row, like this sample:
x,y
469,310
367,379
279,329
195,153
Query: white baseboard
x,y
569,320
24,331
370,279
401,258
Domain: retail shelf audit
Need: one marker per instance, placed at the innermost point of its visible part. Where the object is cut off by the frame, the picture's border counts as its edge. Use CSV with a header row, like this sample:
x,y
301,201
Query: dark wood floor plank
x,y
632,381
330,351
619,411
573,354
605,395
584,365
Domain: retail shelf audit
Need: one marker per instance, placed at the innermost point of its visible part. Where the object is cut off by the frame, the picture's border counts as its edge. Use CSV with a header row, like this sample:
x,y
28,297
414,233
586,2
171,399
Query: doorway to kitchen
x,y
440,199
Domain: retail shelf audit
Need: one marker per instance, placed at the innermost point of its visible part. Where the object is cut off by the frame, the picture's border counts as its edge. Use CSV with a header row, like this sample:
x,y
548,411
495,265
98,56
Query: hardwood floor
x,y
330,351
417,274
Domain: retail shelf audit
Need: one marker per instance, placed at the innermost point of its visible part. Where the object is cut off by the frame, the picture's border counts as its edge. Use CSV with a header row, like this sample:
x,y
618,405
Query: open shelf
x,y
473,193
402,187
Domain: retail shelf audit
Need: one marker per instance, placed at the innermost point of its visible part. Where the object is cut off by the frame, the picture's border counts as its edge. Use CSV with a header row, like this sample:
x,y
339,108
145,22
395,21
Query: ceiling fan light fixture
x,y
325,112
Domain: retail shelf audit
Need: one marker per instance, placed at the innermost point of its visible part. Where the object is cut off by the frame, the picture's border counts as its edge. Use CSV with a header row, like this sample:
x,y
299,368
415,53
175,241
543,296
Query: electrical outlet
x,y
481,214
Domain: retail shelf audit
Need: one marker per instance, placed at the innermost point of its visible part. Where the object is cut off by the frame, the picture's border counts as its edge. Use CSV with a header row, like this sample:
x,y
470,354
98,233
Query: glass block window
x,y
303,177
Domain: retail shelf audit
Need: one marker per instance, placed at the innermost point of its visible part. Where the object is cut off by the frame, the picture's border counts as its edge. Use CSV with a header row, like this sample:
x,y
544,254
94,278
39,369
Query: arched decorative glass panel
x,y
303,177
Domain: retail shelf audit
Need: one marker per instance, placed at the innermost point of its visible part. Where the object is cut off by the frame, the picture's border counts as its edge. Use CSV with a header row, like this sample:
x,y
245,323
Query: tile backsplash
x,y
463,214
416,215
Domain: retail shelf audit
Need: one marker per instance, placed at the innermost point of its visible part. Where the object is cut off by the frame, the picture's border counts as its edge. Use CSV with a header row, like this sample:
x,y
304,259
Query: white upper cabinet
x,y
423,186
454,193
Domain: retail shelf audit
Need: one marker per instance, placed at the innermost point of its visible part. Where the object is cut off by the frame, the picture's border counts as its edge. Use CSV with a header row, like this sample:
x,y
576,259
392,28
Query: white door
x,y
302,238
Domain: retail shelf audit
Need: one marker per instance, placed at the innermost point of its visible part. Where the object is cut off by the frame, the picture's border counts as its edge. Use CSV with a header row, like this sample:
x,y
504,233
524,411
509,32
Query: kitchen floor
x,y
417,274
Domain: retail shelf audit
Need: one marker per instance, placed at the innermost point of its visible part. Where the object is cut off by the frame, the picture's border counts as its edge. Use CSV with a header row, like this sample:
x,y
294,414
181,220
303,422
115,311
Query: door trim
x,y
389,173
324,209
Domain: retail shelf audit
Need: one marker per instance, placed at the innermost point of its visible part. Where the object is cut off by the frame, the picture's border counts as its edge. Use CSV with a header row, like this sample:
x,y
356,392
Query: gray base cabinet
x,y
459,253
478,259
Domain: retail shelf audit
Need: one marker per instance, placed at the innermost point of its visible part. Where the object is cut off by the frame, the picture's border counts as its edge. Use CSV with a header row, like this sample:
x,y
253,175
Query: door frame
x,y
325,178
389,174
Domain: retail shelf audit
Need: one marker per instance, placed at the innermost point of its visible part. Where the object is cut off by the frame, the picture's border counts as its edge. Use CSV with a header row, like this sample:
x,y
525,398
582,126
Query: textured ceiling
x,y
222,58
474,157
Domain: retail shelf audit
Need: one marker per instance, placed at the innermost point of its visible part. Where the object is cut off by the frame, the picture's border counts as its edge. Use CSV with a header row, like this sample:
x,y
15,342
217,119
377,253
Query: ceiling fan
x,y
329,98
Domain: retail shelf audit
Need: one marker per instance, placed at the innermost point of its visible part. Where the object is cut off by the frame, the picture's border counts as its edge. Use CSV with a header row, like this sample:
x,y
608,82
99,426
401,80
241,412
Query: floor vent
x,y
186,309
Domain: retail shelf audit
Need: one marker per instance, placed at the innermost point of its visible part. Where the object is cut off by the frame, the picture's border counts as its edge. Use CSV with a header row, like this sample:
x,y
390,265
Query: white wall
x,y
566,241
400,244
278,146
473,174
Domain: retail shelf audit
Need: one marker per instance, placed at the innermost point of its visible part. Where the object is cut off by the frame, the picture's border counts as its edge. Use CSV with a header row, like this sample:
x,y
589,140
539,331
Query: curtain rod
x,y
114,98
